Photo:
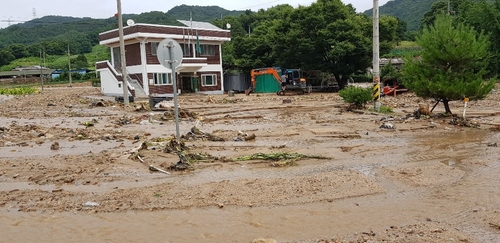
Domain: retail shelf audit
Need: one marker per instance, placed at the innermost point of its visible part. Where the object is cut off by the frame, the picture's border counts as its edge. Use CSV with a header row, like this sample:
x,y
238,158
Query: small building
x,y
395,62
200,71
58,72
20,75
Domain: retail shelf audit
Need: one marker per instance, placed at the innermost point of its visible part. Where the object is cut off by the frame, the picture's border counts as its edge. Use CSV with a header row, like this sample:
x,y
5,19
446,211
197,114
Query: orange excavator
x,y
294,82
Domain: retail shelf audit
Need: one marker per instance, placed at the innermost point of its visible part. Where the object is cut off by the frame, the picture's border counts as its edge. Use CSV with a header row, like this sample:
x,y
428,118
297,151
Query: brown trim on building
x,y
138,28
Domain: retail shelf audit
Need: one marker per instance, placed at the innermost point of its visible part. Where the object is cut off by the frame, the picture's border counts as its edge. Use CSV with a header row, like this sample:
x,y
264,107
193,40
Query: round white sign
x,y
169,52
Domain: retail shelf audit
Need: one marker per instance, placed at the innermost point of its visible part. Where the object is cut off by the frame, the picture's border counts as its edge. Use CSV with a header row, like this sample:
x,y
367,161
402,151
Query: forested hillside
x,y
201,13
54,35
411,11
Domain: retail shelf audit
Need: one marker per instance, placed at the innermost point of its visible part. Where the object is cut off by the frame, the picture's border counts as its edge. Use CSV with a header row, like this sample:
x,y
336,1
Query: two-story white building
x,y
200,70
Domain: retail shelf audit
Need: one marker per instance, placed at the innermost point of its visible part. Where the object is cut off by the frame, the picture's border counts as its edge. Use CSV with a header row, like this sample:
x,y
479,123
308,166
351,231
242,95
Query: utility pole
x,y
69,68
41,68
448,7
44,56
376,58
122,53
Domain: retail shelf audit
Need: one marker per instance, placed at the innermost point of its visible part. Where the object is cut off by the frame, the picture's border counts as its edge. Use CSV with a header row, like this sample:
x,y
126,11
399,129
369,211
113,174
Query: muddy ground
x,y
79,167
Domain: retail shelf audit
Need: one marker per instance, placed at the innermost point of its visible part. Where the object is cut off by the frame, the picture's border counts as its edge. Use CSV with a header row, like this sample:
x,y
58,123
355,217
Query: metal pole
x,y
122,53
448,7
376,58
174,80
44,55
41,68
69,68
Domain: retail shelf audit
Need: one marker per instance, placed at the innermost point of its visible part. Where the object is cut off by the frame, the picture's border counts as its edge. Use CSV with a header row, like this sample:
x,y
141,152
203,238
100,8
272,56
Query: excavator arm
x,y
260,71
256,72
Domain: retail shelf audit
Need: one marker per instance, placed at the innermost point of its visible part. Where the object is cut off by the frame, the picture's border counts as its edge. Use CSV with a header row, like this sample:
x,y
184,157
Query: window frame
x,y
189,49
204,80
206,50
154,48
159,79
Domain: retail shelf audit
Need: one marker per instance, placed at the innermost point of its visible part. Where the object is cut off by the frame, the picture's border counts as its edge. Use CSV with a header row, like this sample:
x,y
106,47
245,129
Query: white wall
x,y
109,84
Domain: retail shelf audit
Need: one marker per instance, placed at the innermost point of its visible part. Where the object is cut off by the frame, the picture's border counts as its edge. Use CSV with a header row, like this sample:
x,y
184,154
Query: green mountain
x,y
412,11
409,11
201,13
82,33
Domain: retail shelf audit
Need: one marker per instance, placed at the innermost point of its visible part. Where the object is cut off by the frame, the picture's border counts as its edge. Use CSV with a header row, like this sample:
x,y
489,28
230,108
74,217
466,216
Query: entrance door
x,y
187,85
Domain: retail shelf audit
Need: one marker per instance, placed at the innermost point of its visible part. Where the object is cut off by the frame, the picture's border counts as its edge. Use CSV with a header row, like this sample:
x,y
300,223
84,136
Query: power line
x,y
250,7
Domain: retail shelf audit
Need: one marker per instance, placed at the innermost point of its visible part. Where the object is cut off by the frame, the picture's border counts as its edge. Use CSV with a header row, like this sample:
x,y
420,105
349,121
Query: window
x,y
117,57
186,49
154,48
209,80
207,50
162,79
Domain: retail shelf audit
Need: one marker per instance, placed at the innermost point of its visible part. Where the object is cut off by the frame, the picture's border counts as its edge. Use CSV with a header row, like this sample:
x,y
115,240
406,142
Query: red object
x,y
387,90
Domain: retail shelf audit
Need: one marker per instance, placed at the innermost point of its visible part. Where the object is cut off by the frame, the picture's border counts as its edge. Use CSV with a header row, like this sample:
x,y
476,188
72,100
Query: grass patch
x,y
383,109
18,90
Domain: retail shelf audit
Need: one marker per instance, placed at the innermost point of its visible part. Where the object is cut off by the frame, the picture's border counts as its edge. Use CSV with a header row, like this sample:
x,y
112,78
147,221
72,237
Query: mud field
x,y
79,167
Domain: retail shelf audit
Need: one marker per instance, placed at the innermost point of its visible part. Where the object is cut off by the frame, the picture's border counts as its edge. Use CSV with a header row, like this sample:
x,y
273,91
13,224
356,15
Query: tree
x,y
6,57
80,62
326,36
485,16
452,63
18,50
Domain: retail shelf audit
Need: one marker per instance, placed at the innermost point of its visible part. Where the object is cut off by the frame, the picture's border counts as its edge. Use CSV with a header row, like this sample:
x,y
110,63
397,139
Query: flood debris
x,y
279,159
142,107
182,164
100,103
388,125
349,148
165,104
279,146
196,133
90,123
174,147
90,204
496,226
55,146
492,145
459,121
242,136
154,168
210,99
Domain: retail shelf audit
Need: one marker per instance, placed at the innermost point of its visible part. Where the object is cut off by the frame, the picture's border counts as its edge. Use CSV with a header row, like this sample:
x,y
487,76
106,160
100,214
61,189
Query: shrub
x,y
356,96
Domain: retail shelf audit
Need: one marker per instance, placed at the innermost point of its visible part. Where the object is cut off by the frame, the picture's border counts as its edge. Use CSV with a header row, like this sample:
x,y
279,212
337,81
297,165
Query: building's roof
x,y
393,61
205,31
199,25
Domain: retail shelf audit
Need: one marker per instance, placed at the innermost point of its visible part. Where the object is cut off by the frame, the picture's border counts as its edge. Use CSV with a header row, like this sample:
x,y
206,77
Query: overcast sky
x,y
24,10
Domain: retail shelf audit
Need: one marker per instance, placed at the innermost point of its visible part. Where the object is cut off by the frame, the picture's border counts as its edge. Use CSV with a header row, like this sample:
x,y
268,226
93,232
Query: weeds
x,y
18,91
279,159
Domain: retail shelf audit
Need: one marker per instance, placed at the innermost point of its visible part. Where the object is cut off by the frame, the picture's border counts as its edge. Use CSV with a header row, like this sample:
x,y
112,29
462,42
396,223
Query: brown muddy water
x,y
446,176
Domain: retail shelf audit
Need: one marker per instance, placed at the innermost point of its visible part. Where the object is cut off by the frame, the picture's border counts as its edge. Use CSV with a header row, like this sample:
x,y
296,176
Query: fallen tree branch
x,y
153,168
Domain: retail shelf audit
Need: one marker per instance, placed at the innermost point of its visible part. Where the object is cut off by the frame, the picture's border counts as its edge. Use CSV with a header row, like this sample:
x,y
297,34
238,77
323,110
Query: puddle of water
x,y
102,187
66,148
448,147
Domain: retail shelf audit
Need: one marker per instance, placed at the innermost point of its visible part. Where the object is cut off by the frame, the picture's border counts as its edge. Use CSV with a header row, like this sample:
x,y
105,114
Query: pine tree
x,y
452,63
